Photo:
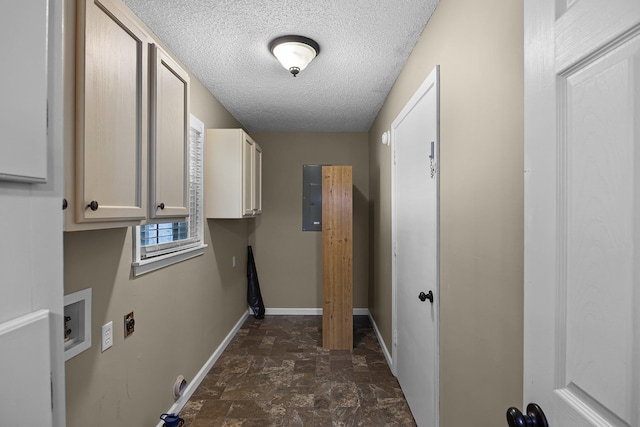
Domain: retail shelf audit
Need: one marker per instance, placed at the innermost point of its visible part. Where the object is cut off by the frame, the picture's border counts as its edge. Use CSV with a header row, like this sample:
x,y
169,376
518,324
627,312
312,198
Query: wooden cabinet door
x,y
111,145
248,159
257,180
233,174
169,166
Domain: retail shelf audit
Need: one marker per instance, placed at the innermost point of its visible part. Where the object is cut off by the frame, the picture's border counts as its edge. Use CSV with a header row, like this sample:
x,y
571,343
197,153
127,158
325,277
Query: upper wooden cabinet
x,y
233,174
169,165
132,124
111,106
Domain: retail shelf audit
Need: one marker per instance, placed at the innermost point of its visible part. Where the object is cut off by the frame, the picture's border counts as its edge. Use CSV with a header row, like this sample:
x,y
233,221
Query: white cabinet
x,y
111,122
233,174
131,152
169,162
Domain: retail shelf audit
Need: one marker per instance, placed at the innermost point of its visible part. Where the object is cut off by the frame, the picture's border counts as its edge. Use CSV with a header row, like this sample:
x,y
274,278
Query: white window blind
x,y
164,240
196,194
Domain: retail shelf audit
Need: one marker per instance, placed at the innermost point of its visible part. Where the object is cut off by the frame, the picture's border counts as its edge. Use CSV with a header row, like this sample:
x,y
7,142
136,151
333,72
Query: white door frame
x,y
415,98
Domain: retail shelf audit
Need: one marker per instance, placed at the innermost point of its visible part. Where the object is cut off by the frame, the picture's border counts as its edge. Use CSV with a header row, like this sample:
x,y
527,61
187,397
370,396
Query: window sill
x,y
155,263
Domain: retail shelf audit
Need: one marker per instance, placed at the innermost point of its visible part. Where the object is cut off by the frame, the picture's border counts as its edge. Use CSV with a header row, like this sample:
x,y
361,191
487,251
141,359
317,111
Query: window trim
x,y
191,247
161,261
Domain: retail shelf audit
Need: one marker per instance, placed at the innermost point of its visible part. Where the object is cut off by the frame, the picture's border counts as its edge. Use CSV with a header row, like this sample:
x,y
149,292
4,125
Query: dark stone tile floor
x,y
276,373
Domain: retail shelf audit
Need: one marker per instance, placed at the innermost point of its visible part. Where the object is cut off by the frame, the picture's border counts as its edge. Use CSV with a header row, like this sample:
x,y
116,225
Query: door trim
x,y
432,79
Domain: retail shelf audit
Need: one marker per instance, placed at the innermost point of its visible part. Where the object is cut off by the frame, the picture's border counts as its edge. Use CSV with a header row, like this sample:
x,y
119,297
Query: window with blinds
x,y
165,240
154,234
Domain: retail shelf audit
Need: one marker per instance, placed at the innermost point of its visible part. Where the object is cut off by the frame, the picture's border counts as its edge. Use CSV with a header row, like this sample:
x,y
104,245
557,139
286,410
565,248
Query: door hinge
x,y
432,160
395,157
395,249
395,337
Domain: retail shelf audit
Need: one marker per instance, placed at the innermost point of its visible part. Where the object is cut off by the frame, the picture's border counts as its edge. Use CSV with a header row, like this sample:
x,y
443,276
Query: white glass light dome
x,y
294,52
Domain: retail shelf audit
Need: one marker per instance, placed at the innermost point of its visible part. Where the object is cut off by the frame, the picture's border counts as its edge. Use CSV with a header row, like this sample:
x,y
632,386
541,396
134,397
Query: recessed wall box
x,y
129,324
77,323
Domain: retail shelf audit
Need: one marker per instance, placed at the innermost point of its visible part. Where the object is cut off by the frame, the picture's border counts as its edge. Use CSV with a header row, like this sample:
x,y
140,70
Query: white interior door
x,y
25,348
23,84
582,211
415,268
31,259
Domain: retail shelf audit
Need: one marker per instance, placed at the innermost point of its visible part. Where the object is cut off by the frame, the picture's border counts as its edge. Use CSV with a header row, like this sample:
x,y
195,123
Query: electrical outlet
x,y
233,261
107,336
129,324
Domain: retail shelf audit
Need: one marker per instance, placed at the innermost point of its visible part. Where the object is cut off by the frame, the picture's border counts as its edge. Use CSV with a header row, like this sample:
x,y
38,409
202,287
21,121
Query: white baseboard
x,y
308,311
294,311
383,346
318,312
195,382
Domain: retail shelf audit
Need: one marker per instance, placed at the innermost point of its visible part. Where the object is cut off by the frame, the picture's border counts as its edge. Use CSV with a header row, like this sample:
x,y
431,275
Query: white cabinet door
x,y
248,161
233,174
169,169
257,180
251,177
582,211
23,84
112,81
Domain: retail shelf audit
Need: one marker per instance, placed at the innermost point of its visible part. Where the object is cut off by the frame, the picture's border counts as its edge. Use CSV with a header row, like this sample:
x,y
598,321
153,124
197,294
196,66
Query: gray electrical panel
x,y
312,198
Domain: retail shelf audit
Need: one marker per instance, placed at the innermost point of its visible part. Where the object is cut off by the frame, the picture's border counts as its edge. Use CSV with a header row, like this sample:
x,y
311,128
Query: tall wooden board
x,y
337,258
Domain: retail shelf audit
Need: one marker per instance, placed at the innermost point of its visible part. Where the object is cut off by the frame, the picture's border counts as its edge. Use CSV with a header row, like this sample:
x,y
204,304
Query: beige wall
x,y
479,46
182,312
289,260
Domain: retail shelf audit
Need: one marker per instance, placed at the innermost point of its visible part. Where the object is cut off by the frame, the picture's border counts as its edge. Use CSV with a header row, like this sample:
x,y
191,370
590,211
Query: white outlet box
x,y
233,261
107,336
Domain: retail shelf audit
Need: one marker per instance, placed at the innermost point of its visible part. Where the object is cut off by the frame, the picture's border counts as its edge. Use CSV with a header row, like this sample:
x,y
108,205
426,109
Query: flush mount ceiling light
x,y
294,52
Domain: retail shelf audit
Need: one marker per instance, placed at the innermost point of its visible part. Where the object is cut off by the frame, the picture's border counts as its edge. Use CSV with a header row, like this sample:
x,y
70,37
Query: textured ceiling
x,y
224,43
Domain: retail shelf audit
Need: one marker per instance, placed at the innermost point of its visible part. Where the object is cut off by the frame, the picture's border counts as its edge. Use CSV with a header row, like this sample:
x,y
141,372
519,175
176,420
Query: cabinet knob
x,y
161,206
65,204
93,205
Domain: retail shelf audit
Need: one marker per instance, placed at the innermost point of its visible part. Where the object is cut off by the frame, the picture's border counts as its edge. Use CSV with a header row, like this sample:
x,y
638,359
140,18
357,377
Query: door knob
x,y
535,417
427,296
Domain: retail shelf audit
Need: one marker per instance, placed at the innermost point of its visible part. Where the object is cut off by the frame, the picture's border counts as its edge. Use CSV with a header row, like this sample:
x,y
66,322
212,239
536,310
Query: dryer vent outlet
x,y
179,387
